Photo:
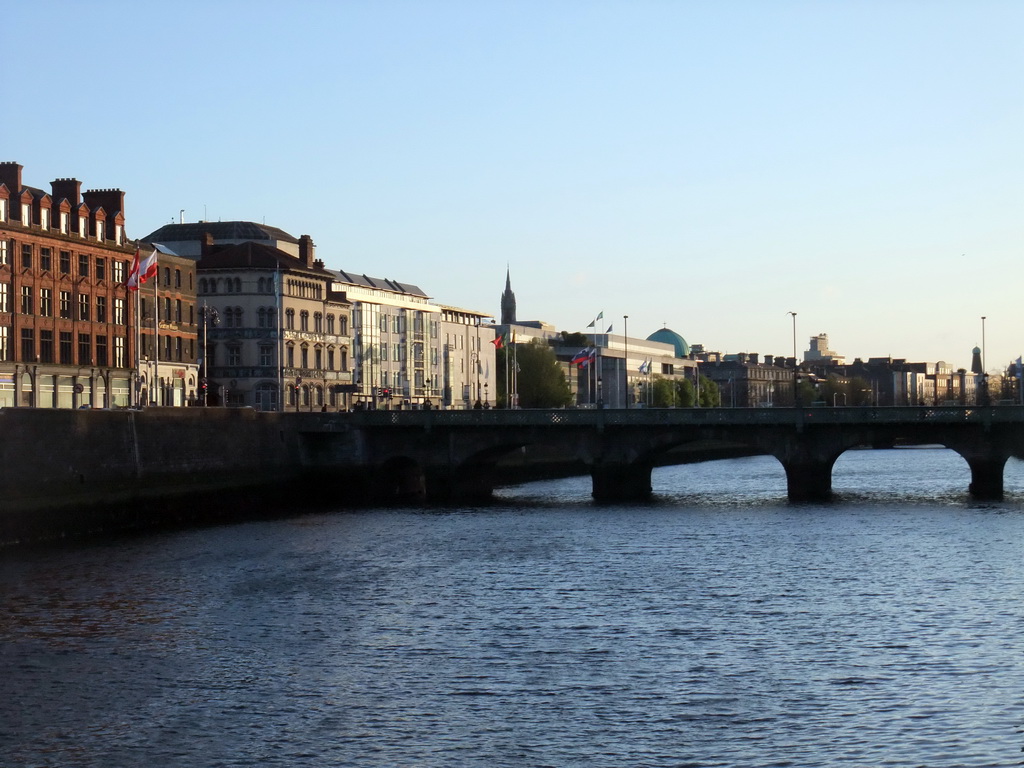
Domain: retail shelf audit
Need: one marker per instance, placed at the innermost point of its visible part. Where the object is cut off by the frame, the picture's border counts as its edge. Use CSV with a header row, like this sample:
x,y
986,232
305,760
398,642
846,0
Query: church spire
x,y
508,301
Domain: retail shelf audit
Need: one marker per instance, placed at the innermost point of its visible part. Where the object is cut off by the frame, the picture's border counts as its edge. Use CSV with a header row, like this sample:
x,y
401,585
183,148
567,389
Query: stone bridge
x,y
447,455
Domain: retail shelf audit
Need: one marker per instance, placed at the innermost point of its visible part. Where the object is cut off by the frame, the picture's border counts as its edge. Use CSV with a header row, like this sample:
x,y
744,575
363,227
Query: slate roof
x,y
380,283
221,230
257,256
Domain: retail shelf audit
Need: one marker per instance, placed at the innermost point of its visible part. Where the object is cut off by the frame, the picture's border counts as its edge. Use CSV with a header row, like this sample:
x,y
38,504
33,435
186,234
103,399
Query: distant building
x,y
819,350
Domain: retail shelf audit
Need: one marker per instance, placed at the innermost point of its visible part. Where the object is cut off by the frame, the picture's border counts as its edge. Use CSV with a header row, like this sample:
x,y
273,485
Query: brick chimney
x,y
69,189
307,250
110,200
10,174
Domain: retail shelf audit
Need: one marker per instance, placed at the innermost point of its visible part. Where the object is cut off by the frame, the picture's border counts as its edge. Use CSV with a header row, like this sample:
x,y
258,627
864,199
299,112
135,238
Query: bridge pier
x,y
809,480
621,482
986,477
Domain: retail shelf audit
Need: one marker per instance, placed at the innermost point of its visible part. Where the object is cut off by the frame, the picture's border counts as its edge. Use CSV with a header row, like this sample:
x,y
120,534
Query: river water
x,y
717,626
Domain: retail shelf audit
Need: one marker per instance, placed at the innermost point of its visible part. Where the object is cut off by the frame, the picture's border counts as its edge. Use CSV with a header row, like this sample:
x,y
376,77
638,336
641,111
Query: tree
x,y
576,339
542,383
710,396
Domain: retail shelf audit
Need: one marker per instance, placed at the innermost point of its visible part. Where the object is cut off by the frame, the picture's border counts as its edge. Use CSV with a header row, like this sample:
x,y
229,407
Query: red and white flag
x,y
142,270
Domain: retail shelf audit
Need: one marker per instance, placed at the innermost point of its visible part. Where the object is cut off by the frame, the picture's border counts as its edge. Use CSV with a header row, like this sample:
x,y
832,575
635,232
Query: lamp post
x,y
796,366
209,315
984,370
625,356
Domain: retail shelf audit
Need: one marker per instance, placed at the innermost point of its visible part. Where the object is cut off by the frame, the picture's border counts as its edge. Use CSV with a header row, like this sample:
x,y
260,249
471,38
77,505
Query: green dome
x,y
668,336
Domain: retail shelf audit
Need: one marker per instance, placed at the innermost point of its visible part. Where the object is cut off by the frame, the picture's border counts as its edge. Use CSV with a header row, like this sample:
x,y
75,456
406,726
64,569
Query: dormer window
x,y
65,222
100,230
44,218
26,214
83,227
119,234
3,210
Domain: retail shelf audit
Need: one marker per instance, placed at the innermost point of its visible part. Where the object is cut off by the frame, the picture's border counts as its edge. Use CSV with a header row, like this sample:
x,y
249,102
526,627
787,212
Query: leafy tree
x,y
576,339
542,383
710,396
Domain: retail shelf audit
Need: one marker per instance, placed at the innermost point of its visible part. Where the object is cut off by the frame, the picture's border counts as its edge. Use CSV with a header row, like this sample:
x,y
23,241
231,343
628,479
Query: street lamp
x,y
796,365
625,355
984,370
209,315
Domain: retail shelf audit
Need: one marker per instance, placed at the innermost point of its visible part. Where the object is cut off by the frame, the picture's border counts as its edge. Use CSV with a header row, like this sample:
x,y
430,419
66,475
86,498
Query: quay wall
x,y
68,472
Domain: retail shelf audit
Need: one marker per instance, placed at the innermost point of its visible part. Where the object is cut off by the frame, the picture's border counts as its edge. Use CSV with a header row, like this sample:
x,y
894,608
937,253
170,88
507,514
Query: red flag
x,y
498,342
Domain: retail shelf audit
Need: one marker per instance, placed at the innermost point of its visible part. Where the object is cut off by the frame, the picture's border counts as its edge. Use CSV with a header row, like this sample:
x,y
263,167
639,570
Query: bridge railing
x,y
610,417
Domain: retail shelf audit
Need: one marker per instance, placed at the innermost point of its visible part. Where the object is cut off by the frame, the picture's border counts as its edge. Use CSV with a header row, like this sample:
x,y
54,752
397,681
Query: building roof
x,y
221,230
668,336
250,255
378,283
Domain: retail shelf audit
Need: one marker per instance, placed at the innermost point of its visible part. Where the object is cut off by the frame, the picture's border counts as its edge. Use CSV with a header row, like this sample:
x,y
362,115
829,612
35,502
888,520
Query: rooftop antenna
x,y
181,216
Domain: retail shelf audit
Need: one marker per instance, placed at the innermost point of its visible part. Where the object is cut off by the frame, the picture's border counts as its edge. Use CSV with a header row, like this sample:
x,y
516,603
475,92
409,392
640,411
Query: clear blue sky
x,y
706,165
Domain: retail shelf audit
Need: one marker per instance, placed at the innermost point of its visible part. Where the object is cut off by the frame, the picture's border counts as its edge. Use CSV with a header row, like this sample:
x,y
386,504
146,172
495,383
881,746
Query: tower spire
x,y
508,300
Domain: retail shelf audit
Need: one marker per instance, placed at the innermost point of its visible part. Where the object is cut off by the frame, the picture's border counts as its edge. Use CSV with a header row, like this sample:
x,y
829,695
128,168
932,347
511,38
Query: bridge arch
x,y
399,478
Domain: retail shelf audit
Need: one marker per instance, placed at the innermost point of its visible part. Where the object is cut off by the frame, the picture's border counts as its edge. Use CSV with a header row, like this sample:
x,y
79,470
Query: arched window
x,y
330,324
289,316
304,320
305,356
238,285
318,323
344,325
271,318
262,316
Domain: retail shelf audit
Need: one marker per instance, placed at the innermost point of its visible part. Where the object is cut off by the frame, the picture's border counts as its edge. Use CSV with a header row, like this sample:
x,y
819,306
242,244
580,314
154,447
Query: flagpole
x,y
156,333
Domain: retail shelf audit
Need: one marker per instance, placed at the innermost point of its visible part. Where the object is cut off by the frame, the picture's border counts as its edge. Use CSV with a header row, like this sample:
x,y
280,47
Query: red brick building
x,y
65,312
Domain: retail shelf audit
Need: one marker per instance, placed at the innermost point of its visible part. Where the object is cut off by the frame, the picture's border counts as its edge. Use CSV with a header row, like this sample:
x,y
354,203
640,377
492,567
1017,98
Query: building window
x,y
65,304
120,271
83,226
119,351
289,315
84,349
45,346
167,277
266,355
101,311
5,351
26,256
262,317
304,320
118,234
177,348
100,230
65,262
44,218
167,309
101,268
290,356
3,210
177,278
234,355
45,259
318,358
318,323
83,265
119,317
344,360
4,257
5,298
83,306
26,215
177,310
66,348
305,356
330,324
26,300
330,359
65,222
28,345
